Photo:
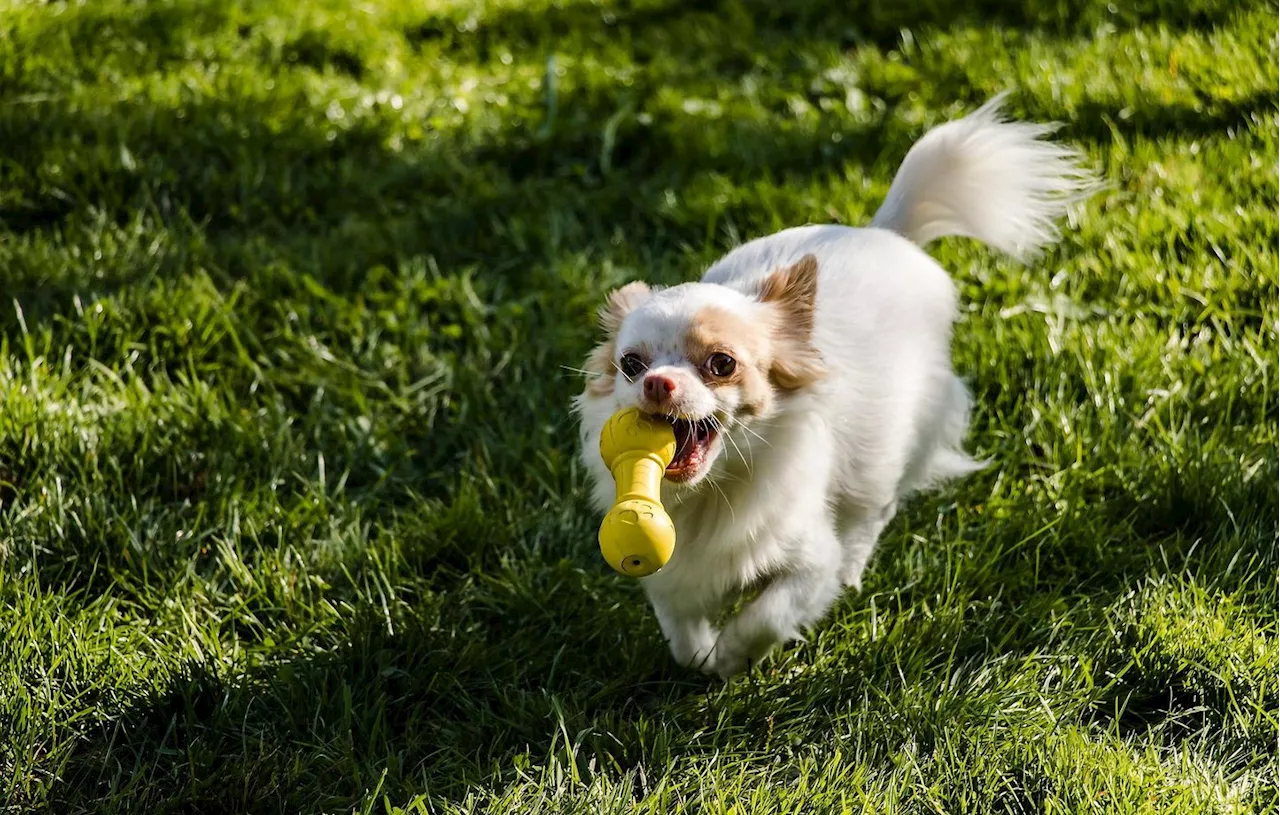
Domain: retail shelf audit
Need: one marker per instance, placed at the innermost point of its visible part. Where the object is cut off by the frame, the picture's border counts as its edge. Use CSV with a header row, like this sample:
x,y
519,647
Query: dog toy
x,y
637,536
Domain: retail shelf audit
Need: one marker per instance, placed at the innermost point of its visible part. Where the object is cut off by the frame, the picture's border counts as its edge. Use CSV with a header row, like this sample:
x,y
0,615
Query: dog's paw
x,y
851,575
705,661
730,665
740,647
696,650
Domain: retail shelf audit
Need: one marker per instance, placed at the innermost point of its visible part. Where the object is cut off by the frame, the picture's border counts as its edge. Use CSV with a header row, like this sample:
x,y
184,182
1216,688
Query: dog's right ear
x,y
619,304
793,291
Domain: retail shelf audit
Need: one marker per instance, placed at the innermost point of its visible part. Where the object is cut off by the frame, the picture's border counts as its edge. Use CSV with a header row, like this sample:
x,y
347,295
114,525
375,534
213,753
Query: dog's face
x,y
706,358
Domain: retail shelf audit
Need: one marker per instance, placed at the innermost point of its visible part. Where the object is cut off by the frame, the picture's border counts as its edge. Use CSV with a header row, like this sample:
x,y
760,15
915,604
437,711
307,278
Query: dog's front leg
x,y
792,602
688,631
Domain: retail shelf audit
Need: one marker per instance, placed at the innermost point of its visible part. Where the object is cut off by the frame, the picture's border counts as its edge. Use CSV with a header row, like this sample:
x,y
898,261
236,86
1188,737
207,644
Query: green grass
x,y
289,514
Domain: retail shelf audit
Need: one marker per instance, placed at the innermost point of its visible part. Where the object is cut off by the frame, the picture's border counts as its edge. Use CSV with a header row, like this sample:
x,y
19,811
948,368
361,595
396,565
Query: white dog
x,y
808,378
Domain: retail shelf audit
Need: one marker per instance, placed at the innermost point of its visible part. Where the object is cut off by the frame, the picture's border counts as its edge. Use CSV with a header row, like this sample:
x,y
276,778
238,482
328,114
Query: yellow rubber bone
x,y
637,536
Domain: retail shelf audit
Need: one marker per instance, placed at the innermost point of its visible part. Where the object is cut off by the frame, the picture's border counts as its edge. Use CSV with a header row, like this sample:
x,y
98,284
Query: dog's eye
x,y
631,365
721,364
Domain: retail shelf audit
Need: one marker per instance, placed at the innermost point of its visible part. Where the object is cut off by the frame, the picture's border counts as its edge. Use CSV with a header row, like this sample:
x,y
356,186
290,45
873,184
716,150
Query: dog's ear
x,y
619,304
599,364
792,292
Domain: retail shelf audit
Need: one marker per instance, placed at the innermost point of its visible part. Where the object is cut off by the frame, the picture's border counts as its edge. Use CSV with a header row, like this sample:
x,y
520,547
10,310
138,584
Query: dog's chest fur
x,y
741,526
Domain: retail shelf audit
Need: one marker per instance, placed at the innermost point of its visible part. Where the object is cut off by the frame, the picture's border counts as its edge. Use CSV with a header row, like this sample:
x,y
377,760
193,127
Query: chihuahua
x,y
808,379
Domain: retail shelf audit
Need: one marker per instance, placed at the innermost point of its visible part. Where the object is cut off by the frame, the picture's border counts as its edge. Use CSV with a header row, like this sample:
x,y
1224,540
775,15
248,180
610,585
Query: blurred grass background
x,y
289,517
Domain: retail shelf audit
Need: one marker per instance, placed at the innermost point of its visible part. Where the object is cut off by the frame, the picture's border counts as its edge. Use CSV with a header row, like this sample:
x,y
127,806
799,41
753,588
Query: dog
x,y
808,379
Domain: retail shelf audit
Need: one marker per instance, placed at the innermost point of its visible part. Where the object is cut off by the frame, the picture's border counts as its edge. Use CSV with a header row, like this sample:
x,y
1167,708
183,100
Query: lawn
x,y
290,519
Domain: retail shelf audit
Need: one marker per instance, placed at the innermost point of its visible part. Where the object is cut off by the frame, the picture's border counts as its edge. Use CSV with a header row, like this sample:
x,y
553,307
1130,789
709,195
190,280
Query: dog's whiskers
x,y
583,371
728,504
751,451
749,448
724,432
757,435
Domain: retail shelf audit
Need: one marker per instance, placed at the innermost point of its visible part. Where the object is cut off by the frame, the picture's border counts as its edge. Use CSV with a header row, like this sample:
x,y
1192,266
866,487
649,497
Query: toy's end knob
x,y
631,431
638,566
637,538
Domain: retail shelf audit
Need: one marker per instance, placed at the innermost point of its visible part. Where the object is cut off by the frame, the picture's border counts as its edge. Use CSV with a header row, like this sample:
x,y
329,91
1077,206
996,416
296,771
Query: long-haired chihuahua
x,y
808,379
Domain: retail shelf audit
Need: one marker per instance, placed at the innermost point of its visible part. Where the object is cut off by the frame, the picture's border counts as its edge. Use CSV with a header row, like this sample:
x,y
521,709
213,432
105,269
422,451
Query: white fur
x,y
796,500
987,178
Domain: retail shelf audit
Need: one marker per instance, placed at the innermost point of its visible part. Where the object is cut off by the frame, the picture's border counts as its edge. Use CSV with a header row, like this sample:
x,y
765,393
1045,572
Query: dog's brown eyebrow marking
x,y
713,330
717,330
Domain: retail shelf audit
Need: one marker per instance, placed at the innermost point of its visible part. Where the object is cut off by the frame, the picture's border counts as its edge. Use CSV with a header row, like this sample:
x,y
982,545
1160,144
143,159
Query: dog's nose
x,y
659,388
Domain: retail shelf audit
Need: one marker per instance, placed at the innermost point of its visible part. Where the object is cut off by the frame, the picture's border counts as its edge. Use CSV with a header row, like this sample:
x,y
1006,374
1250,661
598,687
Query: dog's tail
x,y
988,178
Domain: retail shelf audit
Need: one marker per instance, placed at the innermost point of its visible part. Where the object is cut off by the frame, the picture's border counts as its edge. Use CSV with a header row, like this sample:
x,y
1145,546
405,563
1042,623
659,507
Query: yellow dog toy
x,y
637,536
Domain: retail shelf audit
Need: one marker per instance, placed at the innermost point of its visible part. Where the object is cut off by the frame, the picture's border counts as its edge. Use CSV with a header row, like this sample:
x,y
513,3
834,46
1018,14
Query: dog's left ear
x,y
792,291
620,303
599,364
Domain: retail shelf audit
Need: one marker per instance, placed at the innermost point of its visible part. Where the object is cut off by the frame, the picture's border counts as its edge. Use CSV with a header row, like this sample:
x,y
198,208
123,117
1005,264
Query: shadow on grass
x,y
261,184
455,700
661,28
1103,124
461,697
247,195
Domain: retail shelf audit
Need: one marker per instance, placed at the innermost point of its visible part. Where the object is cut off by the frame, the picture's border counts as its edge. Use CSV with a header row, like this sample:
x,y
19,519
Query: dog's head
x,y
706,358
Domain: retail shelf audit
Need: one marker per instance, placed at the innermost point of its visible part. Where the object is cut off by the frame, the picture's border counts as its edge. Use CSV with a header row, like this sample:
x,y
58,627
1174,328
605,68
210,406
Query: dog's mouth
x,y
693,447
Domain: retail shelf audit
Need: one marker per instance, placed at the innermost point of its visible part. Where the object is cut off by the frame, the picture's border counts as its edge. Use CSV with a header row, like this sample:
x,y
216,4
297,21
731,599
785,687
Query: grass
x,y
289,514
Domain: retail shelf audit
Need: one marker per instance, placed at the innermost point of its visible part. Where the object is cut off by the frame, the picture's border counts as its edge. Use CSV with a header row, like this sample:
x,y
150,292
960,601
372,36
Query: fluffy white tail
x,y
988,178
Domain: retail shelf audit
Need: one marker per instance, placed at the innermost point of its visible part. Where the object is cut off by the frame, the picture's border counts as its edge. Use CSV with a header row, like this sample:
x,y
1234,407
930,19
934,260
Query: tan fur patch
x,y
714,330
792,292
600,370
